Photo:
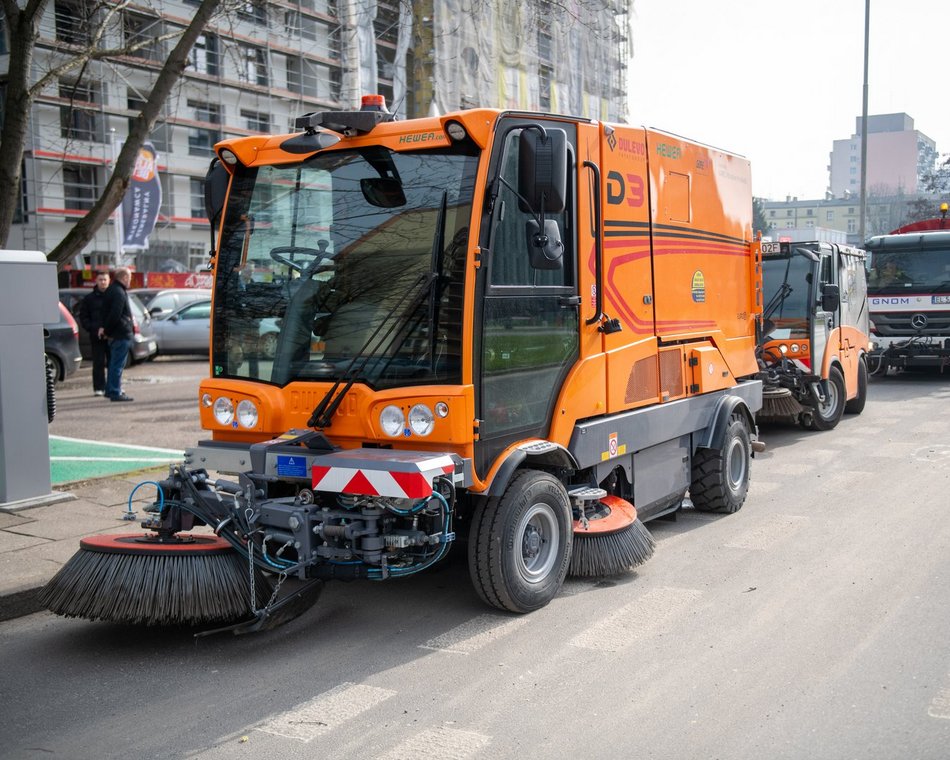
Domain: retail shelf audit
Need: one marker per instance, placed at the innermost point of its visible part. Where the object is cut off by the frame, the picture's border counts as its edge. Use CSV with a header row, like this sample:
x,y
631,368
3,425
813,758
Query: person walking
x,y
117,328
91,313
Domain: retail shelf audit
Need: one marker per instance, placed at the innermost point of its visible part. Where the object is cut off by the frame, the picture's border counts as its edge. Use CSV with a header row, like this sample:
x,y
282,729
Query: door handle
x,y
567,302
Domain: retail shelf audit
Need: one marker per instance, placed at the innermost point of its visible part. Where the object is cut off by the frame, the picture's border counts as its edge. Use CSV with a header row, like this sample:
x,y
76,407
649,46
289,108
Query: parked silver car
x,y
161,302
186,330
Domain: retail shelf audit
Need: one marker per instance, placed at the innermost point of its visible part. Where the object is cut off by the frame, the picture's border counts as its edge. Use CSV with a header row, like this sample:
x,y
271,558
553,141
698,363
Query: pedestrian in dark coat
x,y
91,313
117,327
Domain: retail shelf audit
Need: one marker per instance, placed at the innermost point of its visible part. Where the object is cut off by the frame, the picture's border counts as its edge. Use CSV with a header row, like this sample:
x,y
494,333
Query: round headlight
x,y
421,419
228,156
206,400
783,348
247,414
442,409
794,348
392,421
224,411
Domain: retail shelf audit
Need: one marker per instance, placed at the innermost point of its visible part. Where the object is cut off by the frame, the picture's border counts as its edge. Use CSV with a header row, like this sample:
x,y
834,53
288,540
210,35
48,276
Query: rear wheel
x,y
720,477
827,415
50,388
856,405
520,544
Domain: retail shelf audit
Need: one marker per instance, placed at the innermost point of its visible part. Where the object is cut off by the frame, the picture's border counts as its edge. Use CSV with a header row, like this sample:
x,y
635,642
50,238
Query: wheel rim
x,y
736,464
537,543
827,409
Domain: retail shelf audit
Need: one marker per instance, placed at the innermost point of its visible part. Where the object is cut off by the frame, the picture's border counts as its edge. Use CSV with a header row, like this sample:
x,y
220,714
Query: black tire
x,y
720,477
520,544
59,369
50,388
828,415
856,405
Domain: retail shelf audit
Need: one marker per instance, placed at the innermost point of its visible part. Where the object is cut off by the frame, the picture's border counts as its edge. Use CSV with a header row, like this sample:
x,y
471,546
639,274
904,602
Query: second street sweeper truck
x,y
813,341
524,332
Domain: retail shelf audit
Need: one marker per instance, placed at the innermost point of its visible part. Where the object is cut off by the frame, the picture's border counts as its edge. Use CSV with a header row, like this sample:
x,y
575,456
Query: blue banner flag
x,y
142,200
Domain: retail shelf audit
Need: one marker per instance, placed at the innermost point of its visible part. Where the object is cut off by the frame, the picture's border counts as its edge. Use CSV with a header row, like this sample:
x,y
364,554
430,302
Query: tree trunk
x,y
23,29
85,229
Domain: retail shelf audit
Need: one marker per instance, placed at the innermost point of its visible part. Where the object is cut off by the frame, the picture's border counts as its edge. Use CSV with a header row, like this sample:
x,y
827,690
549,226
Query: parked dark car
x,y
163,301
143,338
61,344
187,330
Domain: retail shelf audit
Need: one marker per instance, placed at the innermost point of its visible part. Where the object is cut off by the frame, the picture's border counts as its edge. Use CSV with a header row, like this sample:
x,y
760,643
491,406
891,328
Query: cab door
x,y
527,334
823,323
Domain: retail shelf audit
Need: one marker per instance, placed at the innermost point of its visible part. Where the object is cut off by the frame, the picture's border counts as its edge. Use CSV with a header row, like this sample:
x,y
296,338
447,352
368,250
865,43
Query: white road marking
x,y
476,633
764,537
438,744
153,449
636,620
326,711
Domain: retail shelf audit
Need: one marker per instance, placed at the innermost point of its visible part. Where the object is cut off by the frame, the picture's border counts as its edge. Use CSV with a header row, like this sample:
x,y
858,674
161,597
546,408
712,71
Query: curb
x,y
20,603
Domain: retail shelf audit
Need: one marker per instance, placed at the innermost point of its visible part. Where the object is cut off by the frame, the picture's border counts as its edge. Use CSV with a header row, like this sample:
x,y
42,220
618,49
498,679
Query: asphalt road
x,y
811,624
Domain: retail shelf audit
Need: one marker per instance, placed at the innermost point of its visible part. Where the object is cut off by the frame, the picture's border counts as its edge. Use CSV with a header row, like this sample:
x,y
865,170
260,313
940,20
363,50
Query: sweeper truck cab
x,y
527,331
813,336
909,290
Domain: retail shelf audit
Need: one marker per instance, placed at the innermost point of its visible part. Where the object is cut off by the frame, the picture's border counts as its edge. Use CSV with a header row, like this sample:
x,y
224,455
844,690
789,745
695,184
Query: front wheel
x,y
827,415
520,544
720,477
856,405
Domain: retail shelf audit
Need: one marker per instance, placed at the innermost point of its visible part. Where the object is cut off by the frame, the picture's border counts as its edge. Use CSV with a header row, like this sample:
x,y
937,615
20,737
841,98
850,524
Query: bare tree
x,y
23,24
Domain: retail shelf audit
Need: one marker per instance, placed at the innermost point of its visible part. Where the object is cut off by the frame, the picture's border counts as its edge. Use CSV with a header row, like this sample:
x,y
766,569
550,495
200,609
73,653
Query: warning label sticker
x,y
291,467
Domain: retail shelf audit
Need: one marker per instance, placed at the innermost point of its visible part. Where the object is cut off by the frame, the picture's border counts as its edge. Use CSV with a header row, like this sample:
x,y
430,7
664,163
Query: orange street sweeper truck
x,y
523,332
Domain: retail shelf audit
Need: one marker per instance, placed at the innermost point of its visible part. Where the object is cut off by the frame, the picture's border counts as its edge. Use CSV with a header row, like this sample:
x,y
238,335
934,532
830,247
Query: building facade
x,y
898,156
263,63
790,217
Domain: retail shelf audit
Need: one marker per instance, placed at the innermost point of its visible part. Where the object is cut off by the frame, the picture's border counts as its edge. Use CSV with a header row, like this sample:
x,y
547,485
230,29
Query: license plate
x,y
940,299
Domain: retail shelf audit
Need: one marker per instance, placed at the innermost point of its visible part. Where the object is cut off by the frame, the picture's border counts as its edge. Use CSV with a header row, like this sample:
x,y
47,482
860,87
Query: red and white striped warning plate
x,y
380,472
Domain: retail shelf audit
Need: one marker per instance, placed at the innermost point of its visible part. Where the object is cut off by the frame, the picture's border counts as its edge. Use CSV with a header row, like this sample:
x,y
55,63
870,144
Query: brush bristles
x,y
779,407
154,589
601,554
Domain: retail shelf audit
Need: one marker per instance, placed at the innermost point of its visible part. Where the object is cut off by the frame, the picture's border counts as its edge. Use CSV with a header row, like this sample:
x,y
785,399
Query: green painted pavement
x,y
73,459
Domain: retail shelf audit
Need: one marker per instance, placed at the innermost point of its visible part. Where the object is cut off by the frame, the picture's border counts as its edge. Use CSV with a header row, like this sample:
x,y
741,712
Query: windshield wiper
x,y
322,415
438,259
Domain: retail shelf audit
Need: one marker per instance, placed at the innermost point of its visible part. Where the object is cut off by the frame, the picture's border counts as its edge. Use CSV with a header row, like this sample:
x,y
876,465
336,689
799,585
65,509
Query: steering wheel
x,y
280,254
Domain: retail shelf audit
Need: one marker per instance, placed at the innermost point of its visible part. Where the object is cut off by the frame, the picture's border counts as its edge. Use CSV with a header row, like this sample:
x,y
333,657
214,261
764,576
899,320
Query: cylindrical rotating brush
x,y
139,579
609,539
778,403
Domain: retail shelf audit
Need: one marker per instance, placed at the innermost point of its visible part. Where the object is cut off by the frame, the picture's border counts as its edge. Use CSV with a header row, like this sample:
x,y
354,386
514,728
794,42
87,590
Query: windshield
x,y
350,255
787,308
925,271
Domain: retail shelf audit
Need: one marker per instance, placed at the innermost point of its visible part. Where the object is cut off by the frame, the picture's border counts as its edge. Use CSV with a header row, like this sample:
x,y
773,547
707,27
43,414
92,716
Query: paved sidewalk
x,y
35,541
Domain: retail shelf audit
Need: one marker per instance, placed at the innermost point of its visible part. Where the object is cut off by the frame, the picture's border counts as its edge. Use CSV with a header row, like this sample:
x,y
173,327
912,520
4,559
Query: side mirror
x,y
542,170
830,297
545,250
216,190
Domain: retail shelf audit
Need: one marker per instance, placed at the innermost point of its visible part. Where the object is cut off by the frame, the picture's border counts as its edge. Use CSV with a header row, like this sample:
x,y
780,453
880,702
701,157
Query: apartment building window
x,y
72,19
160,136
254,11
829,216
201,140
810,223
850,209
809,212
79,118
80,188
788,212
256,120
545,75
197,188
772,213
853,170
852,225
301,76
142,33
204,57
252,66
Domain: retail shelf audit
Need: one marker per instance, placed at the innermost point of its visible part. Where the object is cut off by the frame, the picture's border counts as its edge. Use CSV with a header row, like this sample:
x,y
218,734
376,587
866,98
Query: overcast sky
x,y
778,81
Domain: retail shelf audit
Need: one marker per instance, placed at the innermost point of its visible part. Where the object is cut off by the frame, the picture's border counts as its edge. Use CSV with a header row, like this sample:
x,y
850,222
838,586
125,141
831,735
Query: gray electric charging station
x,y
28,298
